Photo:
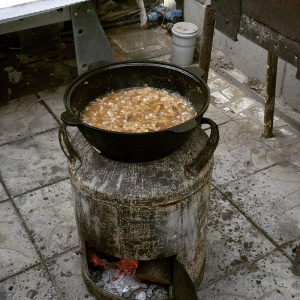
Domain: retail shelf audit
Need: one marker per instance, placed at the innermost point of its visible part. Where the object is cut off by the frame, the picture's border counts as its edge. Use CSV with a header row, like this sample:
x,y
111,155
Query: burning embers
x,y
130,279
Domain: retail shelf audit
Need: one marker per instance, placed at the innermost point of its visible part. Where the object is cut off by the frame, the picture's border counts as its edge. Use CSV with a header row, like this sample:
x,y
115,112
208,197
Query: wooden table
x,y
272,24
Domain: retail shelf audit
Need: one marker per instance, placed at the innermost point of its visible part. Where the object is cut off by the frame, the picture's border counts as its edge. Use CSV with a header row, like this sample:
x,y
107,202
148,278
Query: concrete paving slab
x,y
3,195
17,253
143,43
270,198
238,132
232,241
269,278
251,157
32,163
49,215
22,118
54,99
217,115
218,99
66,273
286,143
258,112
32,284
241,104
216,84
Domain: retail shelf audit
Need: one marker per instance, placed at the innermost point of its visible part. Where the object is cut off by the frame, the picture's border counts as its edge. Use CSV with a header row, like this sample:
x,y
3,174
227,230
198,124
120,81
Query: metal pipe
x,y
207,40
270,95
121,23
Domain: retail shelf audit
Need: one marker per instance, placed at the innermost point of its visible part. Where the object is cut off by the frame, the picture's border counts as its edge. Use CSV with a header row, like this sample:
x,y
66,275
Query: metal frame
x,y
91,43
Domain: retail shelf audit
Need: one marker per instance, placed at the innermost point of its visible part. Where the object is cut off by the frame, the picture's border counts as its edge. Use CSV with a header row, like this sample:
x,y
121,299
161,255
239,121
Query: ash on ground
x,y
128,287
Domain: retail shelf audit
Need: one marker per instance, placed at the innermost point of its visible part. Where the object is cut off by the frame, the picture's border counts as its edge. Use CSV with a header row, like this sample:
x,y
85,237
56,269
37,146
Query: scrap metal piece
x,y
91,43
183,287
296,263
228,14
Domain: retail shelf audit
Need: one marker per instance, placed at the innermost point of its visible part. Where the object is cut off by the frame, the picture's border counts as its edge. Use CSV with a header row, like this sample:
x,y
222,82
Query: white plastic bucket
x,y
183,43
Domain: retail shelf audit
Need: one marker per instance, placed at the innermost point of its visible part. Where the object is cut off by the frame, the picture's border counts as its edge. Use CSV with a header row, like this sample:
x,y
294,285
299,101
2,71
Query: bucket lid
x,y
185,28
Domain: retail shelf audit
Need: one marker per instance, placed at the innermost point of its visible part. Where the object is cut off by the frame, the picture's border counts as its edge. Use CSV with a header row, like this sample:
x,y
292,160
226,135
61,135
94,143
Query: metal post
x,y
296,262
270,97
207,40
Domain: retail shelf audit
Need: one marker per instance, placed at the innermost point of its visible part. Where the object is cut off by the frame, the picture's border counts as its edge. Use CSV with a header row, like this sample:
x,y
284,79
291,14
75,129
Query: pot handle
x,y
69,119
186,126
66,145
195,167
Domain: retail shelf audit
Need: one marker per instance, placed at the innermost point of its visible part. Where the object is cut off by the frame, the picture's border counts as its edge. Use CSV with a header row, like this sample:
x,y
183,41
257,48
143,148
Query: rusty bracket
x,y
228,14
91,43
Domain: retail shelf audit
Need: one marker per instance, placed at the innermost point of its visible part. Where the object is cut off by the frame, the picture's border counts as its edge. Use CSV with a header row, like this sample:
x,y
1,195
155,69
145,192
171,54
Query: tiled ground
x,y
255,202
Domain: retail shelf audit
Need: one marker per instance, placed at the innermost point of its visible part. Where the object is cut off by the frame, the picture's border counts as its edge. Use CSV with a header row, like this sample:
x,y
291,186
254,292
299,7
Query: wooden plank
x,y
228,15
269,39
282,16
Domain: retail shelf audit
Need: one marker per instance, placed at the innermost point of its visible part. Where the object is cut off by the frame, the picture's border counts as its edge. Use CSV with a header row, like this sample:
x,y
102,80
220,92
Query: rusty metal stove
x,y
144,211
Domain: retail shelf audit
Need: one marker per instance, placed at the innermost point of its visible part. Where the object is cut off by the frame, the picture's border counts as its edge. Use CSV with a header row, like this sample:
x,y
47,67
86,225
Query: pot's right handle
x,y
66,145
205,154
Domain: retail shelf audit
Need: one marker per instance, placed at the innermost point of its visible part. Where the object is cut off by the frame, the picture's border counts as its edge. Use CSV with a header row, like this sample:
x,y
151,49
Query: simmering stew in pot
x,y
138,110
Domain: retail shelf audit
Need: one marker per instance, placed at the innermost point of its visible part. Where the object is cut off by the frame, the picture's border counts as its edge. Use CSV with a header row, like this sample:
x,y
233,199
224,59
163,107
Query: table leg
x,y
270,95
91,43
207,40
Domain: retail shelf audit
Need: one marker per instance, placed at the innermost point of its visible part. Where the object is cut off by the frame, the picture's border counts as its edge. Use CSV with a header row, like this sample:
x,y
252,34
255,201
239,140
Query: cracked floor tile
x,y
32,163
50,217
269,278
32,284
54,100
22,118
16,250
66,272
232,241
271,198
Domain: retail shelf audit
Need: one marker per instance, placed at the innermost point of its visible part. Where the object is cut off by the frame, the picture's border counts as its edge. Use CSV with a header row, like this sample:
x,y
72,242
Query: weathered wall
x,y
248,57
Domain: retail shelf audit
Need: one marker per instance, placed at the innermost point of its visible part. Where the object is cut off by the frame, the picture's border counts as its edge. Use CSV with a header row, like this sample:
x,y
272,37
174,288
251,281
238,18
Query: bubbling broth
x,y
138,110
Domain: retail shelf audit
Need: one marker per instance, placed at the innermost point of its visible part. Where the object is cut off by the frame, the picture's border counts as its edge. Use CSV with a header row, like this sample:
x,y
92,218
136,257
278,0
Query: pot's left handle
x,y
66,145
205,154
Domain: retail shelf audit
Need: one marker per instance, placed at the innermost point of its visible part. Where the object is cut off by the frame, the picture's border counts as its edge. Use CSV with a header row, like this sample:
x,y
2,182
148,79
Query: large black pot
x,y
135,147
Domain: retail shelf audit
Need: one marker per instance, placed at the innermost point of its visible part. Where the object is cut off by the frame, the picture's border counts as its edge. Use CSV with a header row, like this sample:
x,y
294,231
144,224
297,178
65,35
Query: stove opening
x,y
130,279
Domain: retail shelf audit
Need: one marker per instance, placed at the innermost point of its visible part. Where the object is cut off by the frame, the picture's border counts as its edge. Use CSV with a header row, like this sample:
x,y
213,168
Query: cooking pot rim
x,y
106,66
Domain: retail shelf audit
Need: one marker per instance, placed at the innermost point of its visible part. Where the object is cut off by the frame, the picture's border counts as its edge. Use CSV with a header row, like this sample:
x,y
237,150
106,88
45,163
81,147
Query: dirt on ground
x,y
24,72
